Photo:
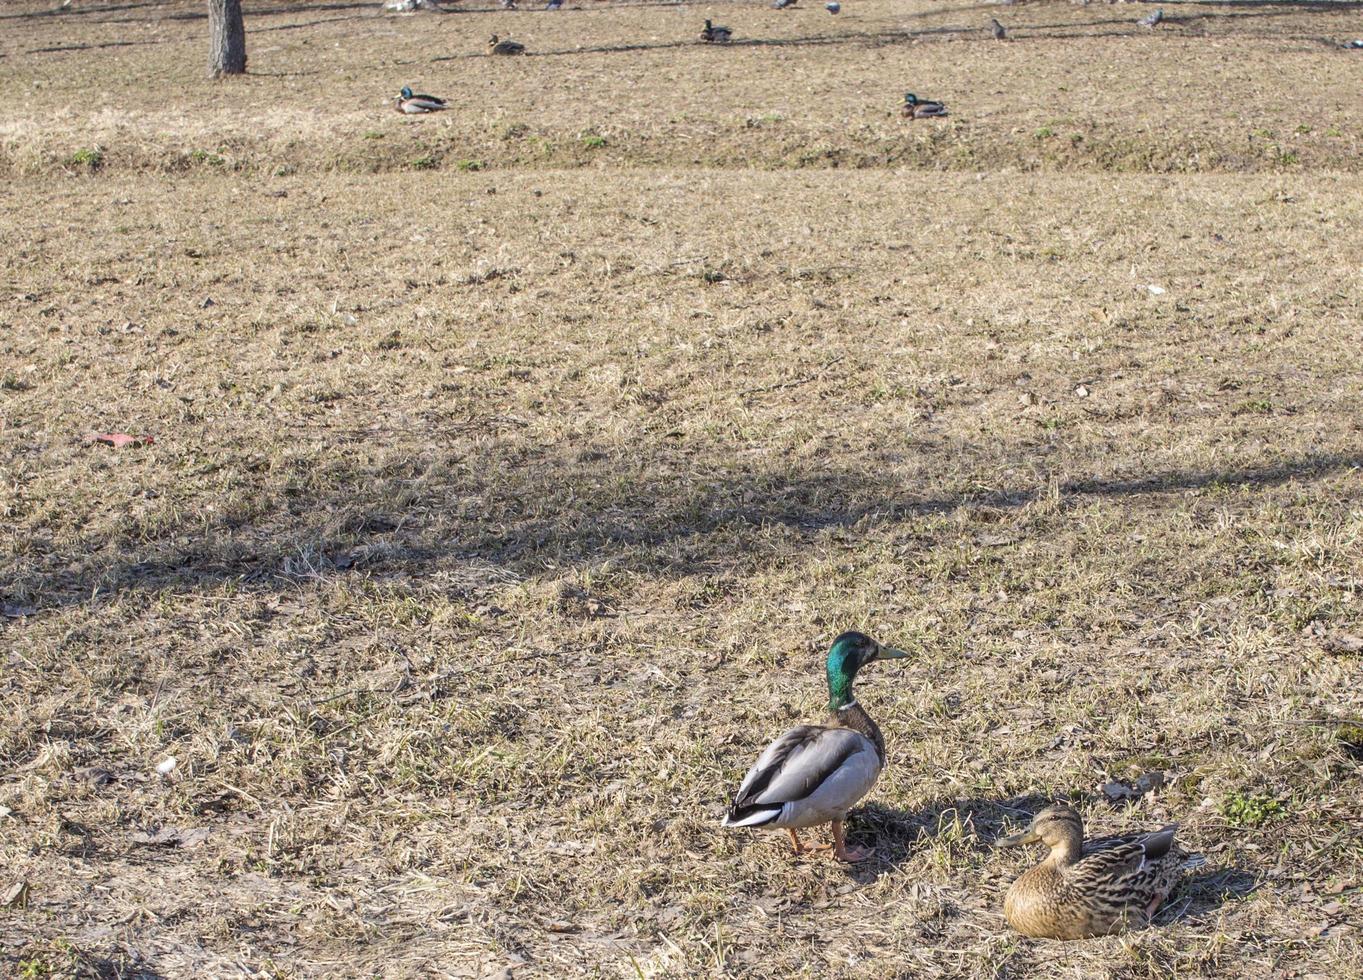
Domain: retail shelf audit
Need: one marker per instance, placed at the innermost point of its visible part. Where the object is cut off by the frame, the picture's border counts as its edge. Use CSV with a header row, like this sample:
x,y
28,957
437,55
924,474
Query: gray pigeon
x,y
783,4
999,33
1152,21
832,7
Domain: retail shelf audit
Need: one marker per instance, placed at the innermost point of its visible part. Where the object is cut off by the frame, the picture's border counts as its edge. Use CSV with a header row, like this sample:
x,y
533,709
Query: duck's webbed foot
x,y
844,853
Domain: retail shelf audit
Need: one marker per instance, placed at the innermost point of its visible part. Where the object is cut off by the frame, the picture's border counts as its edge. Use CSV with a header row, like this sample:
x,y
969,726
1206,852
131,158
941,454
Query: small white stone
x,y
167,767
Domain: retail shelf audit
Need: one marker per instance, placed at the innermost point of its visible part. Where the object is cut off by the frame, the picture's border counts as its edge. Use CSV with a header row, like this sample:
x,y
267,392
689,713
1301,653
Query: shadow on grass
x,y
523,514
964,824
1204,892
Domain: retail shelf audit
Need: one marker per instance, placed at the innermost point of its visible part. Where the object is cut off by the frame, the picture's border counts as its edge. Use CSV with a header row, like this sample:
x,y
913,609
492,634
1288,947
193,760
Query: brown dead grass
x,y
1258,87
495,519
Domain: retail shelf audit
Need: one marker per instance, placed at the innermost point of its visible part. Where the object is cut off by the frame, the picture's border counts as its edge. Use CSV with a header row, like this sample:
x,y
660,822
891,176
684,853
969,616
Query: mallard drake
x,y
916,108
1090,888
814,774
496,46
783,4
714,34
413,104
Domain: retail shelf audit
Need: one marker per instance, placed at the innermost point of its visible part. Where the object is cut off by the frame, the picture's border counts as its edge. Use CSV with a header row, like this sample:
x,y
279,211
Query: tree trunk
x,y
226,38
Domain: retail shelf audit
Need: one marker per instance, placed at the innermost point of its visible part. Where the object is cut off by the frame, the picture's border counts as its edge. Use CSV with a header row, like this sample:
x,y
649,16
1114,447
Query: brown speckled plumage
x,y
1090,888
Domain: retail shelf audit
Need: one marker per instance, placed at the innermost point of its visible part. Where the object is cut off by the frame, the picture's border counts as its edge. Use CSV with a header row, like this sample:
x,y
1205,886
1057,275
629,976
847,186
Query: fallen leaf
x,y
1342,644
1150,781
118,439
172,837
15,895
1082,391
1028,398
1116,791
995,540
96,776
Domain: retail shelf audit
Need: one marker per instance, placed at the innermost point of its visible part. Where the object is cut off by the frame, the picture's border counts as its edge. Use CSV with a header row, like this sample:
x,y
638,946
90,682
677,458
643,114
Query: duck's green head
x,y
406,92
910,98
849,653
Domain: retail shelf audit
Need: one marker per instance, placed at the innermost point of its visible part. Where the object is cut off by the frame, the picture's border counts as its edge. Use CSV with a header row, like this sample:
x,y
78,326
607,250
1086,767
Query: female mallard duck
x,y
814,774
413,104
916,108
1090,888
714,34
495,46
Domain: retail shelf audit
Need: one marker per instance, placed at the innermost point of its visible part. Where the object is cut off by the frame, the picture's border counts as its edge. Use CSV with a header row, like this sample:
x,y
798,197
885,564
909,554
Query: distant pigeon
x,y
508,4
783,4
554,5
1153,20
999,33
832,7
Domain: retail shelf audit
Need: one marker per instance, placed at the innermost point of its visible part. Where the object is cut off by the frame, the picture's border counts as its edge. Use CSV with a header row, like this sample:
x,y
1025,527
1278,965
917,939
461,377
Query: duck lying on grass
x,y
1090,888
714,34
413,104
814,774
916,108
497,46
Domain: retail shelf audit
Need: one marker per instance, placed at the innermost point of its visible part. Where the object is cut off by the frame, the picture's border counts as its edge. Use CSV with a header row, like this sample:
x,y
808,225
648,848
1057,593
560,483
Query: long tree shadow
x,y
524,515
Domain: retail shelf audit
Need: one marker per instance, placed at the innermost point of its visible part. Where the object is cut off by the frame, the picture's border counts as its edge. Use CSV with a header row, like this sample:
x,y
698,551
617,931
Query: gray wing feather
x,y
817,757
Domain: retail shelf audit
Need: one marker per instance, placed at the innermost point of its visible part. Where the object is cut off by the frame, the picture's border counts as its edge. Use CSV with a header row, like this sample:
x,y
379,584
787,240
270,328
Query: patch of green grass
x,y
1351,738
12,382
373,135
91,157
1250,810
470,166
593,141
1254,406
204,156
425,163
1044,133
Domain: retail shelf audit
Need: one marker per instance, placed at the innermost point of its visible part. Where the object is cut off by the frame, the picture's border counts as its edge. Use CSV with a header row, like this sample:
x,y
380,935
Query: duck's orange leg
x,y
844,853
799,847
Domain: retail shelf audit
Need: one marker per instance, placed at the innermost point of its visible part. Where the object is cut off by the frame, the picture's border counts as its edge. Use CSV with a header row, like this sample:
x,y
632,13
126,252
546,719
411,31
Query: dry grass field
x,y
513,467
